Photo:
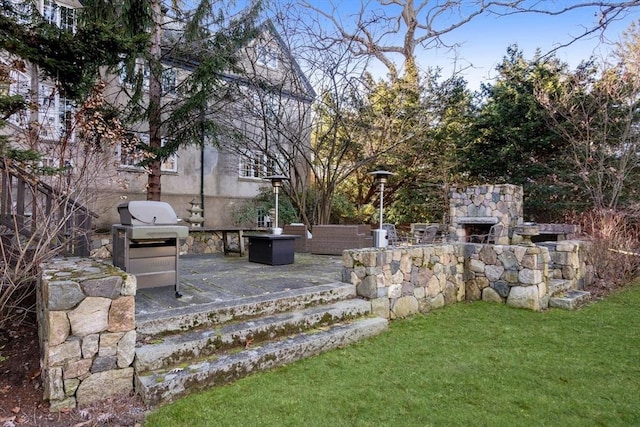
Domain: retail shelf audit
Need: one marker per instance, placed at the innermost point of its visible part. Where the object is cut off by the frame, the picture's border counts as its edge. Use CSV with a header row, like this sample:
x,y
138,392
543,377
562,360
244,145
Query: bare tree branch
x,y
426,22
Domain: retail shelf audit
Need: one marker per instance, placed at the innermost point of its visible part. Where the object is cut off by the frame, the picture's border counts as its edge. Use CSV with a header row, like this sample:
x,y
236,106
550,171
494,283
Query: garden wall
x,y
197,243
401,281
86,320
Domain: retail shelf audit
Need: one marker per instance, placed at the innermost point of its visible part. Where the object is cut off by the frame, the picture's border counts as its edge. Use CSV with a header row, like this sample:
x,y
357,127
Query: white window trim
x,y
264,219
267,56
20,84
52,12
254,165
169,165
55,113
169,80
23,8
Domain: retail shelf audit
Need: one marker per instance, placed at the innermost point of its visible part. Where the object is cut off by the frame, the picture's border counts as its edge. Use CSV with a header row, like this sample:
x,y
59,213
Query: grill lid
x,y
146,212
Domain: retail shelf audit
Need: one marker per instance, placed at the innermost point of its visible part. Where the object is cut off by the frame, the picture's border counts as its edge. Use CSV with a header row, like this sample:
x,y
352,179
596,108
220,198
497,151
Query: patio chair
x,y
492,237
428,235
392,234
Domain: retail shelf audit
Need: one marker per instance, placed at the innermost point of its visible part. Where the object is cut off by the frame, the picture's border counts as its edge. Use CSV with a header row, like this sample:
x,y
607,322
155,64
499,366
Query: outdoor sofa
x,y
333,239
302,243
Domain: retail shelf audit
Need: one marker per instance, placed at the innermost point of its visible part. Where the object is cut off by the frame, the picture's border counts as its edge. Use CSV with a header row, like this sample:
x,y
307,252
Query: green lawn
x,y
471,364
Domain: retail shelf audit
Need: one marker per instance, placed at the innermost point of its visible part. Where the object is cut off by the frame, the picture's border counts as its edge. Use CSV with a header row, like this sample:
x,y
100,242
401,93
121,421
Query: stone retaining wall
x,y
197,243
401,281
86,321
515,275
404,281
568,262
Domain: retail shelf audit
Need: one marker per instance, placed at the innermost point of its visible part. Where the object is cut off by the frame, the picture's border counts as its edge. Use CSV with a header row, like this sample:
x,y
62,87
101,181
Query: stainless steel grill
x,y
147,243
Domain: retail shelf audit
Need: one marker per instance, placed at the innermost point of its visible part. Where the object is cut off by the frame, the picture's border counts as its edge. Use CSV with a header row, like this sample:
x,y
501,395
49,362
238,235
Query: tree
x,y
47,174
200,37
512,142
423,194
597,112
316,146
398,27
390,34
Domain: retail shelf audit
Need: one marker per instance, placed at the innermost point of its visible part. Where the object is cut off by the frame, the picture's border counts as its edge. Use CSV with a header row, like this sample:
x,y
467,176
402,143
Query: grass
x,y
471,364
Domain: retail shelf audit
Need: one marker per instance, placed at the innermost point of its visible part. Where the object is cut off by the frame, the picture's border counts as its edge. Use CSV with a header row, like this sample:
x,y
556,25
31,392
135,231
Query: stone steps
x,y
175,349
559,286
185,318
565,297
165,386
181,351
570,300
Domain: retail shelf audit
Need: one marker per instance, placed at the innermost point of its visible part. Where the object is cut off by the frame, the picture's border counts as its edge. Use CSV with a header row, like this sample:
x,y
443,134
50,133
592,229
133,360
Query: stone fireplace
x,y
473,210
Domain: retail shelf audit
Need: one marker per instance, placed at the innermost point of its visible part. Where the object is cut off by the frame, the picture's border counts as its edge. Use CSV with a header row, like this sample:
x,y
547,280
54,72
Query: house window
x,y
140,70
271,106
62,16
20,84
256,164
252,165
131,160
264,219
266,106
56,114
23,10
168,81
169,77
267,56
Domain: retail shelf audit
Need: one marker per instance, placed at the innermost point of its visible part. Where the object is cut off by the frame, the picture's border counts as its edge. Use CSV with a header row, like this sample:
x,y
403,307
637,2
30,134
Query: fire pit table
x,y
147,243
272,249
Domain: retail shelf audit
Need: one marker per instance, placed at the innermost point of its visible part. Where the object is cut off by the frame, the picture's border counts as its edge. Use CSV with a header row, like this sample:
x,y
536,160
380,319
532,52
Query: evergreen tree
x,y
201,39
512,141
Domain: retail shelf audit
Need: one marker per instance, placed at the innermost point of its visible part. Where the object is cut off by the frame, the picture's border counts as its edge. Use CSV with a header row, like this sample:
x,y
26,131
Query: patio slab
x,y
216,278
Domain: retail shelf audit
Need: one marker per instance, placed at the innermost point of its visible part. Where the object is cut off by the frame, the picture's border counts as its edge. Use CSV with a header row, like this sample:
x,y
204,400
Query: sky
x,y
484,40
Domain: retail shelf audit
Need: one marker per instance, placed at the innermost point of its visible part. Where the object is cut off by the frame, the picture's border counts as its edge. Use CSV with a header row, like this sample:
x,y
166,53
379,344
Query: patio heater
x,y
276,182
380,235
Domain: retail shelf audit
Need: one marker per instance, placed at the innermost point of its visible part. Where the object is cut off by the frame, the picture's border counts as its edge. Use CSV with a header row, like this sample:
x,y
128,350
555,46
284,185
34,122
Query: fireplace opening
x,y
474,231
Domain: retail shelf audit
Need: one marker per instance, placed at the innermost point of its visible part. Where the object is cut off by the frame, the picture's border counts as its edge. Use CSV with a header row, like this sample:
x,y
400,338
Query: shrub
x,y
614,255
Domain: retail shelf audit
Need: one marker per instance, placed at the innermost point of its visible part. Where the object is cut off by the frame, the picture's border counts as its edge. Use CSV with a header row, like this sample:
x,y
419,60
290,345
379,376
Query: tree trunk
x,y
154,188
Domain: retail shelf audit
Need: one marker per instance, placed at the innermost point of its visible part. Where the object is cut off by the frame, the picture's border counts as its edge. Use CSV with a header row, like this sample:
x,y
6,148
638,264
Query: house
x,y
268,106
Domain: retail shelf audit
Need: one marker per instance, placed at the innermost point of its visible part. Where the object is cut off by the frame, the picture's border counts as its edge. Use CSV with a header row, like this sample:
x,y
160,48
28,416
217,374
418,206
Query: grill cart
x,y
146,243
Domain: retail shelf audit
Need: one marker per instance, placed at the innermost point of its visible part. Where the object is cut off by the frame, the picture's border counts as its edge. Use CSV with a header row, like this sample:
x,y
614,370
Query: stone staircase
x,y
564,296
180,351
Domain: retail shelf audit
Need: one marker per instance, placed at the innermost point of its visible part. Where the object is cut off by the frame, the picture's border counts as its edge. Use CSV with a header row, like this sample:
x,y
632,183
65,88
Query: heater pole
x,y
381,203
275,190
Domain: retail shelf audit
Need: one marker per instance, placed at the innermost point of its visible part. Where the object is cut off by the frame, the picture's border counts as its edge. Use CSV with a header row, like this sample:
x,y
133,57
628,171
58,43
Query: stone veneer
x,y
86,320
401,281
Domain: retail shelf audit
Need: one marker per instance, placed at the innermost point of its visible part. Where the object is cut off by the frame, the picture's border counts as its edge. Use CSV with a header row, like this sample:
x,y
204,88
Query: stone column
x,y
86,311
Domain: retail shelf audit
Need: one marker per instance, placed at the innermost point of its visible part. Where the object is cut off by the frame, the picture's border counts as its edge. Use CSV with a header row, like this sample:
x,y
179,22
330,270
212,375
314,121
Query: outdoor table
x,y
272,249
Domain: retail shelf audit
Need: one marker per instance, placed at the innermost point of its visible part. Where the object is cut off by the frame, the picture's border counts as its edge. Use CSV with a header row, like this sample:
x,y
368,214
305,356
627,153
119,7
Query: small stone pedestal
x,y
527,230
